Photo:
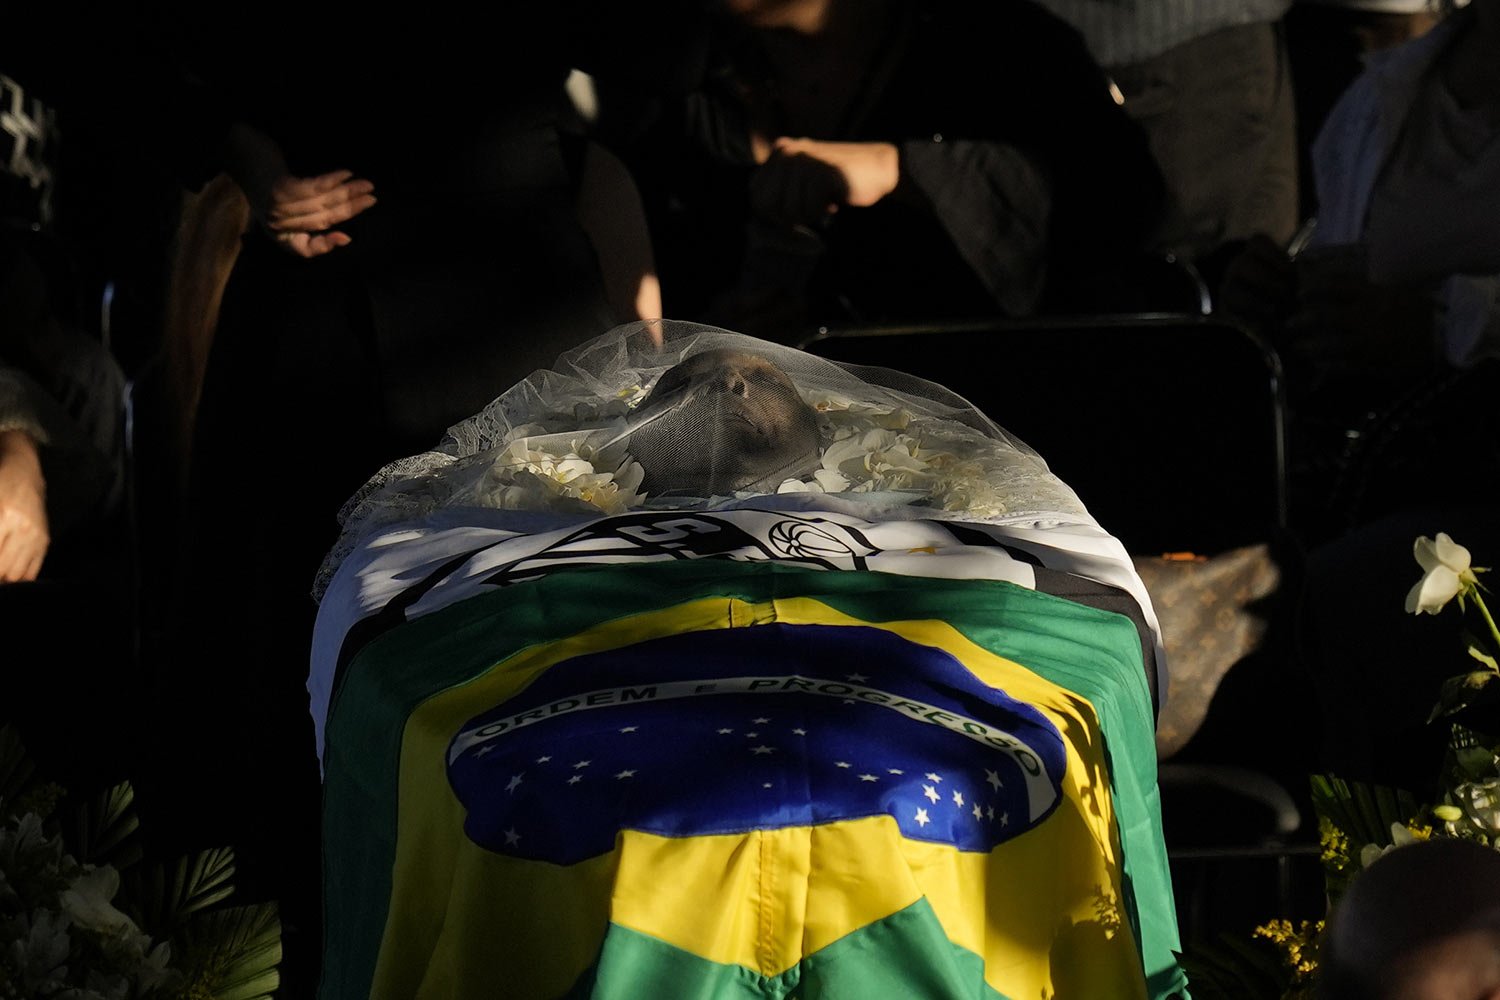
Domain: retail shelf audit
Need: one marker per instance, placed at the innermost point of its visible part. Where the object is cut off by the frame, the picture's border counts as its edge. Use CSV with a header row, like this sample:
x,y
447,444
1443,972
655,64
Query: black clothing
x,y
470,272
1018,172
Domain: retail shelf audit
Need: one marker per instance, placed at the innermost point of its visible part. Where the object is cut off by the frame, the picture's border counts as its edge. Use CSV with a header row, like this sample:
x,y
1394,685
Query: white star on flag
x,y
989,811
512,837
763,749
931,793
856,678
626,774
842,763
515,782
958,798
629,729
751,736
799,732
894,770
766,785
543,759
1005,819
936,779
582,763
978,812
723,732
868,777
575,779
760,722
921,817
992,778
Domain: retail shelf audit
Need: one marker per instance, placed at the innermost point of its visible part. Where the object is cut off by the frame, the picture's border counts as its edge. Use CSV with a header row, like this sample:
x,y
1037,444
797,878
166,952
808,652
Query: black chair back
x,y
1170,427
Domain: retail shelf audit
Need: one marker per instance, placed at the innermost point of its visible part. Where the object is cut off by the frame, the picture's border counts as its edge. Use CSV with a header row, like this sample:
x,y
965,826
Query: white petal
x,y
1414,597
87,901
1453,555
899,458
831,481
1426,553
1434,590
629,477
849,450
573,467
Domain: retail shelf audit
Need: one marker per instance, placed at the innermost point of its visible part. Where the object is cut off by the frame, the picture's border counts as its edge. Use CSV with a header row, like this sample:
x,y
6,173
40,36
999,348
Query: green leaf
x,y
233,953
171,894
105,828
1458,692
202,882
1474,763
1369,817
1364,812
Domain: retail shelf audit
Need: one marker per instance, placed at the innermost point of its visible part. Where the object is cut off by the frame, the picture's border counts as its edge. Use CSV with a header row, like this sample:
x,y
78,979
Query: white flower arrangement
x,y
869,449
875,449
534,470
61,934
69,930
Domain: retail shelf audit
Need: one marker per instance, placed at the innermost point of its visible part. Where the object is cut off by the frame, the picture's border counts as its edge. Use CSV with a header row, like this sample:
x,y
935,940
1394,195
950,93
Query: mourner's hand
x,y
23,509
870,170
303,210
299,213
804,181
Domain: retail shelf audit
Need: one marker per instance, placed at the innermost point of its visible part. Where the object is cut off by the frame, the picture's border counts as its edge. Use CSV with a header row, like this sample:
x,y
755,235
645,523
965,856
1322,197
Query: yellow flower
x,y
1335,844
1446,573
1298,945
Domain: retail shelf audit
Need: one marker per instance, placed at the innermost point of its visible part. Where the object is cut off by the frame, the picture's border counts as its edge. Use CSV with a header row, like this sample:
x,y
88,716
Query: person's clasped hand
x,y
299,213
23,509
804,181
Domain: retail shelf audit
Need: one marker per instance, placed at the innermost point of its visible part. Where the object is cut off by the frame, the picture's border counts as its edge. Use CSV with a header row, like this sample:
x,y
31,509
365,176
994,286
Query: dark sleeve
x,y
1107,190
1036,160
993,200
18,405
60,387
79,475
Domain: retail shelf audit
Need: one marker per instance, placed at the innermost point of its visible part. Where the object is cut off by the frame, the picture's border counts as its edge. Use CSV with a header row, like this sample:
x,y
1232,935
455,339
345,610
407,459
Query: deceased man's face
x,y
734,422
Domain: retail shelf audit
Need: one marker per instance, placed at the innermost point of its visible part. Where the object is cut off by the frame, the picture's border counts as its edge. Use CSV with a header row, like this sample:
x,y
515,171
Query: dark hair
x,y
1409,899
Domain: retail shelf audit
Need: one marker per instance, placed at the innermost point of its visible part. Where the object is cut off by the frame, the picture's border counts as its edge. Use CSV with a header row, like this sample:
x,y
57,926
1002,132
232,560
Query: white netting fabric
x,y
603,432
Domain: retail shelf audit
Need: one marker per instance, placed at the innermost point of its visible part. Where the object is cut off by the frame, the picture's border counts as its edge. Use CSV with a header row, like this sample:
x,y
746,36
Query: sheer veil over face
x,y
676,416
724,421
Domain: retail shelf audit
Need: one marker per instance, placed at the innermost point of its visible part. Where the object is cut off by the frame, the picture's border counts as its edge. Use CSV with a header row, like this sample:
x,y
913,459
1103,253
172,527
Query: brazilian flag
x,y
715,778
